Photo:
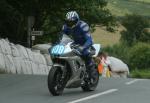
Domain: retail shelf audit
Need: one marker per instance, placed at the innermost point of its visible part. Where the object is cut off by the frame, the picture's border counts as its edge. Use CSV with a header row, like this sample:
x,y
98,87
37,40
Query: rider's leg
x,y
90,65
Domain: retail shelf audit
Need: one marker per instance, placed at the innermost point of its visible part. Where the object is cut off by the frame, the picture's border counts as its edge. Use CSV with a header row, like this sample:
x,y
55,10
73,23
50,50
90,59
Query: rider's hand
x,y
81,48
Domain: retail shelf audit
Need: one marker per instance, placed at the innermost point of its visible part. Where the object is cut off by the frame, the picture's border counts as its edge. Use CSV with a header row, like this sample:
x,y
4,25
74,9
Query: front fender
x,y
59,65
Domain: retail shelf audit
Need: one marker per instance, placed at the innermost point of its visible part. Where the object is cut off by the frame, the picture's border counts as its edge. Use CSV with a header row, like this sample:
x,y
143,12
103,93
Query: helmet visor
x,y
71,23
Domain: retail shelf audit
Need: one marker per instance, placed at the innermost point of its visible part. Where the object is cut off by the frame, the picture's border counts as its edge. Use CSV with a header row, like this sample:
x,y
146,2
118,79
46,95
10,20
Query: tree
x,y
49,16
9,20
92,11
134,25
145,36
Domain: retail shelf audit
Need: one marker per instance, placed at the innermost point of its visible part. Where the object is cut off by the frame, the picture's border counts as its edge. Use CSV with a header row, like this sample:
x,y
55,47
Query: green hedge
x,y
118,50
139,56
136,57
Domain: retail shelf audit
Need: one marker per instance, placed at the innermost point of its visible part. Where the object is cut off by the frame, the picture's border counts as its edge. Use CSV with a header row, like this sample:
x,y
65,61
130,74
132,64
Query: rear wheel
x,y
55,81
92,81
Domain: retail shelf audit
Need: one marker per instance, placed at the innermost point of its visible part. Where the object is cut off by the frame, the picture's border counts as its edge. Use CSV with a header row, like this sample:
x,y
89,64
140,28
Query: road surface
x,y
33,89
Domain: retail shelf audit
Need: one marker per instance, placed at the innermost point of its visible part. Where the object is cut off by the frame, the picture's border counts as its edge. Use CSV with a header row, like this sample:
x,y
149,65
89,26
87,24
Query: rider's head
x,y
71,19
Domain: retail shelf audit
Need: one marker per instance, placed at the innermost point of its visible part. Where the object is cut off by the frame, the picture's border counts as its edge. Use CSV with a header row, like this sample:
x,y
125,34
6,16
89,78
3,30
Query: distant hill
x,y
123,7
120,8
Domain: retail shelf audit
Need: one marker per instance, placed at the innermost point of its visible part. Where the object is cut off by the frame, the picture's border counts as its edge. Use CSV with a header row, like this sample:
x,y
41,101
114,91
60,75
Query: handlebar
x,y
75,49
74,46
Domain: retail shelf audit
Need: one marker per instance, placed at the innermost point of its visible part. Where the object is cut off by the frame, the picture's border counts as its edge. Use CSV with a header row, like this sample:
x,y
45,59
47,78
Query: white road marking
x,y
94,96
131,82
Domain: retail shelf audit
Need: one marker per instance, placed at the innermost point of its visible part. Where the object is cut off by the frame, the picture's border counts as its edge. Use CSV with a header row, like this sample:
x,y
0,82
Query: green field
x,y
123,7
105,38
143,1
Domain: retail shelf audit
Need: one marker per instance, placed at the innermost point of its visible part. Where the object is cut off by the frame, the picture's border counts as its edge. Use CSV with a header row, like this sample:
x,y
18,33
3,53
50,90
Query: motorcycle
x,y
69,69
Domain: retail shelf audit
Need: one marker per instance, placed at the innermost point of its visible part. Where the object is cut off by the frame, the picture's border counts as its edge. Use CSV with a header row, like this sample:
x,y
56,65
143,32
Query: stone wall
x,y
17,59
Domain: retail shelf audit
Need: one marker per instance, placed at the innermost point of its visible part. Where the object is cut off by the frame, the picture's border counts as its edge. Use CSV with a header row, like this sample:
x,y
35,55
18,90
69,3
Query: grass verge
x,y
2,72
144,74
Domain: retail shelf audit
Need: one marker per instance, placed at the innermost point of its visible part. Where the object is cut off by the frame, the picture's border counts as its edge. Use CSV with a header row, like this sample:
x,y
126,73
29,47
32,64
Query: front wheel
x,y
91,82
55,81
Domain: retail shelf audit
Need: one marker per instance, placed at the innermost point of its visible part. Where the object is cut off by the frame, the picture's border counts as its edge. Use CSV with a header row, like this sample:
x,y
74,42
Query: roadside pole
x,y
31,20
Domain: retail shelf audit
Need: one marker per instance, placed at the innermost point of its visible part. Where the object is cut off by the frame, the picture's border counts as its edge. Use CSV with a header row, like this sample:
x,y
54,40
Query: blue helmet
x,y
72,18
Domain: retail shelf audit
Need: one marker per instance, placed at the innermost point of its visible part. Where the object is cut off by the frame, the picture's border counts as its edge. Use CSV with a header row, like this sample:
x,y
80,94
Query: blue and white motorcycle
x,y
69,69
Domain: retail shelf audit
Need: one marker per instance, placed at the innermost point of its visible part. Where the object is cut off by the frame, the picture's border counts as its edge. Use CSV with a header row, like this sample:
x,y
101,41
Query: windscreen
x,y
65,39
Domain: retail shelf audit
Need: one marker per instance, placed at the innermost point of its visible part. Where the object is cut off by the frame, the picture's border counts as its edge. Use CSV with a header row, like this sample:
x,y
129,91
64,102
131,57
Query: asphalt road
x,y
33,89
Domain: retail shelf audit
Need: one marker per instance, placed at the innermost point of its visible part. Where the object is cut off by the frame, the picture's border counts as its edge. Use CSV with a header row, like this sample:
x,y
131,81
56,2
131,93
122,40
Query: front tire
x,y
55,81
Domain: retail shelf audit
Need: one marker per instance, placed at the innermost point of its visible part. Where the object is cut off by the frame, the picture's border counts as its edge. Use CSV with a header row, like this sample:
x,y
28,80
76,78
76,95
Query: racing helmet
x,y
72,18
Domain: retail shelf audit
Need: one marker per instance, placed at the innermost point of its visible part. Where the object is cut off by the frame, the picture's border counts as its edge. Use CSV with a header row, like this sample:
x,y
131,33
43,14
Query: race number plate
x,y
58,50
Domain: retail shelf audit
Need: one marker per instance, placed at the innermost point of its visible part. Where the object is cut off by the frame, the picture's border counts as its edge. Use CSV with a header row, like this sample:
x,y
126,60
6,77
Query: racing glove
x,y
80,48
